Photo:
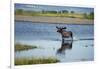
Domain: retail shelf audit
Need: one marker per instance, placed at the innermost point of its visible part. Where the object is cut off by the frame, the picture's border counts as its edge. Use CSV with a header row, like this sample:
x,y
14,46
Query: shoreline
x,y
49,19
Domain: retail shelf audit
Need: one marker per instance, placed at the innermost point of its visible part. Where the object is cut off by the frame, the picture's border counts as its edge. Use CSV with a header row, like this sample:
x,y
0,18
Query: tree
x,y
52,12
19,11
91,15
65,11
85,15
72,12
43,11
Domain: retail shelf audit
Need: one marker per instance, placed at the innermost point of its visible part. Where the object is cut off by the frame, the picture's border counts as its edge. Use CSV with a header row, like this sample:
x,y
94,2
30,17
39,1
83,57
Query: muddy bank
x,y
53,19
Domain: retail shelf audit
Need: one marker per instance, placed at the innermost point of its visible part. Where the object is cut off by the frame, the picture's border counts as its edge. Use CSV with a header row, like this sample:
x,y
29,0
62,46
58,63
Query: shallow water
x,y
49,41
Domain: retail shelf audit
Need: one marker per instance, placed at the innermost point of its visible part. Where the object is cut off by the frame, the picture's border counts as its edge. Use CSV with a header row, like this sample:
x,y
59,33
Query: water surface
x,y
44,36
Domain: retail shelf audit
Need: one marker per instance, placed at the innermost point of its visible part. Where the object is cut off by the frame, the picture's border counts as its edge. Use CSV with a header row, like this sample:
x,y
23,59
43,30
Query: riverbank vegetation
x,y
21,47
26,61
62,13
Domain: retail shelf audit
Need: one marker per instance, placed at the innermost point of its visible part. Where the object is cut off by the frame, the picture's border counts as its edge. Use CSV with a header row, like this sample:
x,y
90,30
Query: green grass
x,y
69,15
55,14
52,14
26,61
21,47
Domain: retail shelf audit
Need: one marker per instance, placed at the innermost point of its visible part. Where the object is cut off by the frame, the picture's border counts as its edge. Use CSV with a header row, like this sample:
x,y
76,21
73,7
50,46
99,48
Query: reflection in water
x,y
67,45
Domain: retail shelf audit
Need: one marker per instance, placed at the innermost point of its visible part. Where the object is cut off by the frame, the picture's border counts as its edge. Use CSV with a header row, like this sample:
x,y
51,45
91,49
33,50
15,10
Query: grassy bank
x,y
55,14
25,61
21,47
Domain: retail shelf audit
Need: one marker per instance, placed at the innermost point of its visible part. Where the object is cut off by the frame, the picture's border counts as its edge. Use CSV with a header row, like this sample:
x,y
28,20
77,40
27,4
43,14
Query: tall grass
x,y
26,61
21,47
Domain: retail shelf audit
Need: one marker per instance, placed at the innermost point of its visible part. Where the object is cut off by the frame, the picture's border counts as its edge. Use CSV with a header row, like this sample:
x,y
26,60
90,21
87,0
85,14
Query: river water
x,y
45,36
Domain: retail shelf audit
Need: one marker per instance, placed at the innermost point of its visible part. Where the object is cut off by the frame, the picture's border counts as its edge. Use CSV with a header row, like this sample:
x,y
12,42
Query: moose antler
x,y
57,27
63,27
60,27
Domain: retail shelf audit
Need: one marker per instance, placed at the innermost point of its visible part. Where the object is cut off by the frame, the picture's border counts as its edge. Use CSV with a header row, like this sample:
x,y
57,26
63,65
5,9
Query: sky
x,y
36,7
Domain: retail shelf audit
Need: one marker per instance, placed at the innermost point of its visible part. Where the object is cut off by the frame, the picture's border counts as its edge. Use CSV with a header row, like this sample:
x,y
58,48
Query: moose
x,y
65,34
66,44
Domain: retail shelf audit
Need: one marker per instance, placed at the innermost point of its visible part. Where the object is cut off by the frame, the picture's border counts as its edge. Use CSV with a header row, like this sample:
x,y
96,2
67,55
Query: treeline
x,y
55,12
20,11
65,13
89,16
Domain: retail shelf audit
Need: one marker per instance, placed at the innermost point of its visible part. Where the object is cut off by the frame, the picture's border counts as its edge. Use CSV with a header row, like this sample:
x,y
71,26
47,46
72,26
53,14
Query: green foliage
x,y
85,15
26,61
21,47
65,11
72,12
54,12
62,13
19,11
89,16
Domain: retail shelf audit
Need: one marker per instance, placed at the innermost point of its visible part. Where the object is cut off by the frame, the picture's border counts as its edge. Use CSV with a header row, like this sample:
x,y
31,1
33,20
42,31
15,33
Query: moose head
x,y
60,29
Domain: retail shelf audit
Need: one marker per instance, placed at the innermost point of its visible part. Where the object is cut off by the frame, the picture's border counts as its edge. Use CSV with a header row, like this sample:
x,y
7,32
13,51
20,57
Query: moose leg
x,y
72,35
62,41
